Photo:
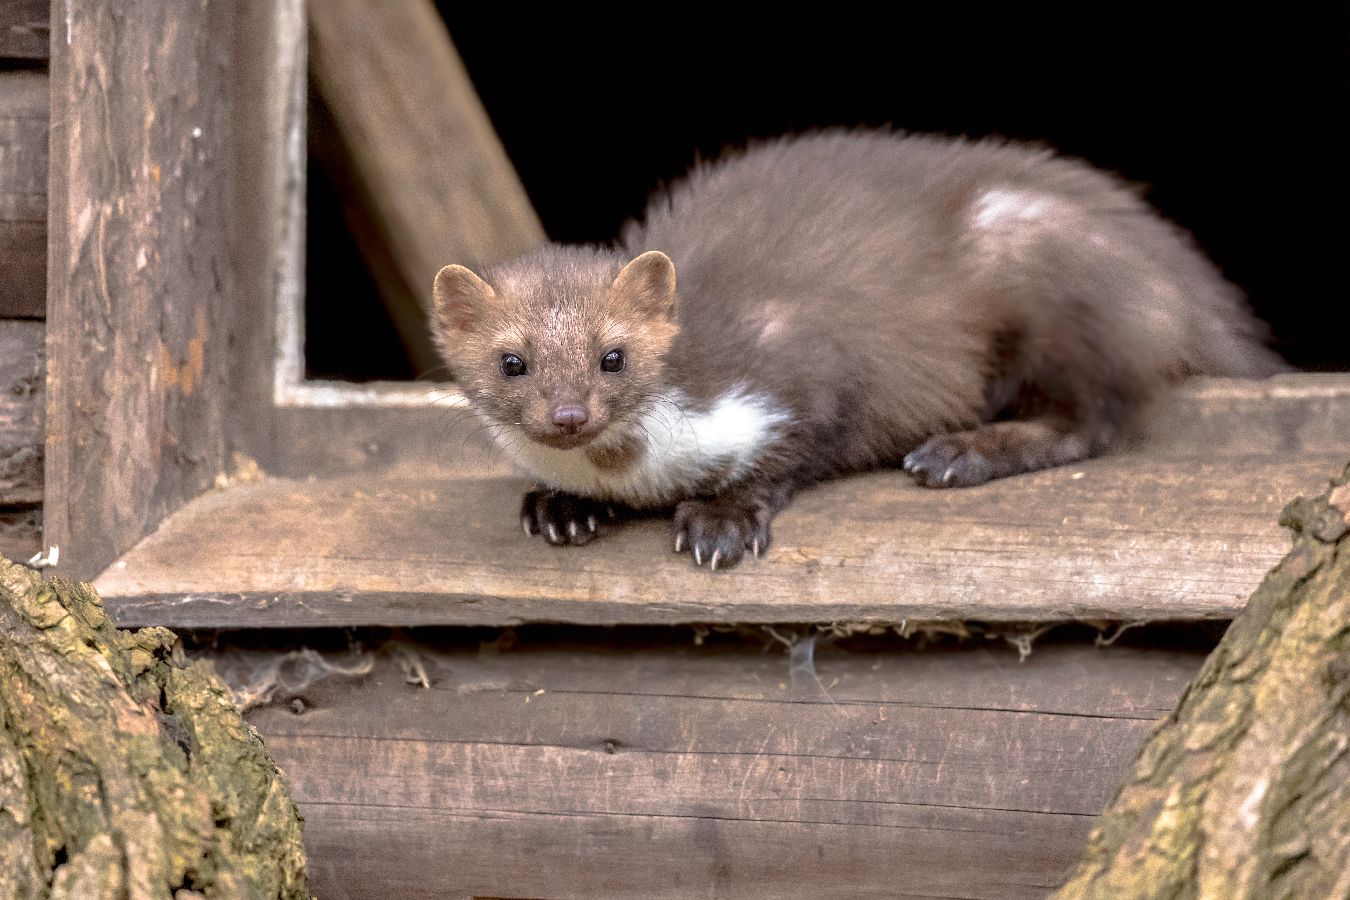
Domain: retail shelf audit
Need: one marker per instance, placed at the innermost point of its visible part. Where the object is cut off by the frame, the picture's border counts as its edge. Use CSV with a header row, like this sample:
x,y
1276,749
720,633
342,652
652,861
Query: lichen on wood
x,y
124,771
1244,791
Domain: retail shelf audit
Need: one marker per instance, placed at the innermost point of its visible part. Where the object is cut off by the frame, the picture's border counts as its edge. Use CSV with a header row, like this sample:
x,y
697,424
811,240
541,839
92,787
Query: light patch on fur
x,y
1000,208
1009,224
685,451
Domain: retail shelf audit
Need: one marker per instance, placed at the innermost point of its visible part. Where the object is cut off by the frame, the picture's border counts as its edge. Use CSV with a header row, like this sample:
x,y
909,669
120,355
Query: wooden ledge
x,y
1134,537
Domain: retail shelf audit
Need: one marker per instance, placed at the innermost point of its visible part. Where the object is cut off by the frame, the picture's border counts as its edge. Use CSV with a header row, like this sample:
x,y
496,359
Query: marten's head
x,y
560,345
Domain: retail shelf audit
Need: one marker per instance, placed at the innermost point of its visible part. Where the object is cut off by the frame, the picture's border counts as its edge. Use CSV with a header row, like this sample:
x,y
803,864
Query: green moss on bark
x,y
124,772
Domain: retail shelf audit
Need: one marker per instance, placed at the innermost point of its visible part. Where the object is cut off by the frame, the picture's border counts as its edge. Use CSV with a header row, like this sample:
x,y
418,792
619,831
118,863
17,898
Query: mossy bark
x,y
1244,791
124,772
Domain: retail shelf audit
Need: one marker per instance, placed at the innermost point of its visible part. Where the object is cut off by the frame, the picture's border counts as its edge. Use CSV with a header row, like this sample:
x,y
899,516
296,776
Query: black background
x,y
1231,120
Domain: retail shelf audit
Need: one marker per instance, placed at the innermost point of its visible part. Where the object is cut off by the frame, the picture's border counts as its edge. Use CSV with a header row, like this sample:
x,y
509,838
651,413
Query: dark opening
x,y
1228,120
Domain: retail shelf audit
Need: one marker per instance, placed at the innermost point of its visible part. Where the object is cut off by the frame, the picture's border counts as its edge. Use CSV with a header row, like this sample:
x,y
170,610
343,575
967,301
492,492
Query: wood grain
x,y
267,212
23,192
139,266
675,772
431,179
21,412
1134,537
20,533
328,428
24,29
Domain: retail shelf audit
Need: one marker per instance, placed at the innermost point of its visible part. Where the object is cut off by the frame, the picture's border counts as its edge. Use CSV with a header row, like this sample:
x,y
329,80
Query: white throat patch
x,y
683,451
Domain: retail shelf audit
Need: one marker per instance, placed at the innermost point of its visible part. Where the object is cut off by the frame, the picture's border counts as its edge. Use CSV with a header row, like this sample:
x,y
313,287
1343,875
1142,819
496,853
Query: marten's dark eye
x,y
512,365
612,361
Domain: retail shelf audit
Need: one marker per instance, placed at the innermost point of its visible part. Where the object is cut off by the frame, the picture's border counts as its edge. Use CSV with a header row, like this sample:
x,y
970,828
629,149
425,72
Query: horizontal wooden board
x,y
23,192
715,771
25,29
328,428
20,533
21,412
1134,537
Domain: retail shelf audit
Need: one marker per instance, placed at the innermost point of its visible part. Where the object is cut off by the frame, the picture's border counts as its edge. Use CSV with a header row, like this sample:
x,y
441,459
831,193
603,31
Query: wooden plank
x,y
1287,415
432,182
585,771
23,193
22,402
139,266
20,533
1134,537
24,31
327,428
340,440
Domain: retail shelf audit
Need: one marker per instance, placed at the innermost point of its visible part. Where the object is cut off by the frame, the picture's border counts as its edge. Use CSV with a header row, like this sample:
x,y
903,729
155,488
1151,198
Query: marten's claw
x,y
720,532
948,461
563,519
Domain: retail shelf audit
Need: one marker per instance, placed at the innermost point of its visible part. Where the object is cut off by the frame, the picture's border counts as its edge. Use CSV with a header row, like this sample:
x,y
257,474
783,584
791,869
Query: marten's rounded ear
x,y
459,298
648,283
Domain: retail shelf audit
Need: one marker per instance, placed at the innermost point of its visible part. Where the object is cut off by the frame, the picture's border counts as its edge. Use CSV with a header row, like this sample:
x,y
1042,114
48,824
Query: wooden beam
x,y
432,182
1134,537
24,32
23,194
21,412
588,771
267,144
345,428
139,268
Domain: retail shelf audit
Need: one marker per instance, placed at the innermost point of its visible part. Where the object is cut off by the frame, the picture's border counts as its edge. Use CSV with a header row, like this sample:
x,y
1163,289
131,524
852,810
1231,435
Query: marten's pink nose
x,y
570,418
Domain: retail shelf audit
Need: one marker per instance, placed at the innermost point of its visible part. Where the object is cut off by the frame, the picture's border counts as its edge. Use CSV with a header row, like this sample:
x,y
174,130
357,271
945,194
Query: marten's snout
x,y
569,419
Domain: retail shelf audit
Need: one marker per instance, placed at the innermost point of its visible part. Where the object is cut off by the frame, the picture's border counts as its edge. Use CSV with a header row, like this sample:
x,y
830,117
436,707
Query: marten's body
x,y
845,301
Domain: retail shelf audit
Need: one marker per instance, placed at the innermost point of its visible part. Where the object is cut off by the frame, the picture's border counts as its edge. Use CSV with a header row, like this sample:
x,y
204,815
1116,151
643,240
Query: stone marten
x,y
831,303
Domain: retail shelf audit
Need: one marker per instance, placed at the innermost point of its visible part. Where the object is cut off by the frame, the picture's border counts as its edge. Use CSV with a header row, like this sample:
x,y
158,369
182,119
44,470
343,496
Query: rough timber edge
x,y
255,609
292,390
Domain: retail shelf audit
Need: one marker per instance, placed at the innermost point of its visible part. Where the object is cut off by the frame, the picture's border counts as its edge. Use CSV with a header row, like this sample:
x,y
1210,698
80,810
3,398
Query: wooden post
x,y
1244,791
139,271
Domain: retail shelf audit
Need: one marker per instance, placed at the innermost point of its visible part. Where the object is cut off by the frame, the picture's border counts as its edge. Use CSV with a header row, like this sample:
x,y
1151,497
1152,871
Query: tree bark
x,y
125,773
1244,791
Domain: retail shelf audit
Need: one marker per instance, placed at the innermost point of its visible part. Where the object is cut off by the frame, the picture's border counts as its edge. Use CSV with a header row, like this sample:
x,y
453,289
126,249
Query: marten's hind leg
x,y
994,450
1043,409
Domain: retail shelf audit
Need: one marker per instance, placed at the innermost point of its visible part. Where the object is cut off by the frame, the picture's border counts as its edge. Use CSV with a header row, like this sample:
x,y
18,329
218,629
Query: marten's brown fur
x,y
968,310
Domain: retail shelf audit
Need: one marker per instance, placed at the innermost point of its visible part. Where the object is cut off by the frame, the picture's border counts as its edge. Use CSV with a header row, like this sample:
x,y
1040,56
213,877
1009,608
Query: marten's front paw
x,y
720,532
949,460
563,519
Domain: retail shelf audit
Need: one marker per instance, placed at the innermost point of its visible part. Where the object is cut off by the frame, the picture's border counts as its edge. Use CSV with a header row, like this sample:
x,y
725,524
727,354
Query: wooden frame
x,y
173,349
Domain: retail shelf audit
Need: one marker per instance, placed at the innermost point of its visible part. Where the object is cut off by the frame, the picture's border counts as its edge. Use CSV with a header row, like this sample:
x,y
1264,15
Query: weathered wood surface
x,y
1287,415
652,771
23,192
1134,537
328,428
24,30
20,533
139,265
432,182
1244,791
267,131
128,775
22,407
